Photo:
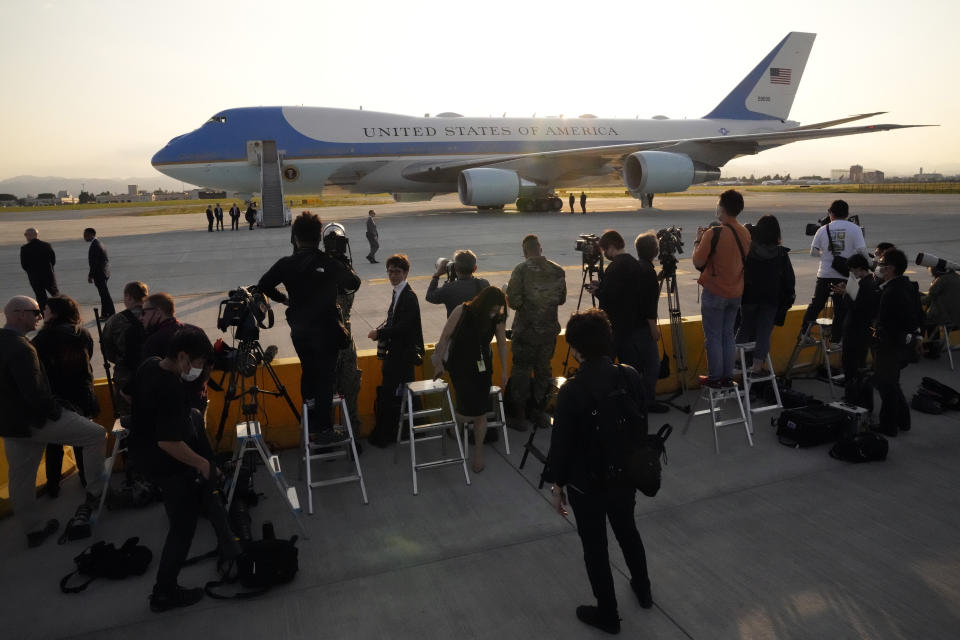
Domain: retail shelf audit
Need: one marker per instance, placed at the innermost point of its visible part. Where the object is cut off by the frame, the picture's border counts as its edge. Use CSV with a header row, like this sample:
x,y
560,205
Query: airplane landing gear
x,y
547,203
646,201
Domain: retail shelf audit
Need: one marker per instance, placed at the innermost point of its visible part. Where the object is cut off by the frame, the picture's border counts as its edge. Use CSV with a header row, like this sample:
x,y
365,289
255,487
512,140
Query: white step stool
x,y
749,380
346,448
119,446
422,389
497,418
716,398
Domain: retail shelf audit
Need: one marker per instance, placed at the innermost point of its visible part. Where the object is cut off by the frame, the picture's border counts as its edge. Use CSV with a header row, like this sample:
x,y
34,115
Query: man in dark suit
x,y
37,259
218,214
99,270
209,219
401,337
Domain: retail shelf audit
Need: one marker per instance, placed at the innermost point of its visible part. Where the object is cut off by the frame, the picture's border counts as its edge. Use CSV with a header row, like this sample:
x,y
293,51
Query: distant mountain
x,y
22,186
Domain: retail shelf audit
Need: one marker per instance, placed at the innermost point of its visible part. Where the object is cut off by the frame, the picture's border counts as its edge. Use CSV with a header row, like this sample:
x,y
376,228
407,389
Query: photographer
x,y
834,242
898,318
536,289
313,279
721,258
943,299
461,289
628,292
168,444
860,312
579,471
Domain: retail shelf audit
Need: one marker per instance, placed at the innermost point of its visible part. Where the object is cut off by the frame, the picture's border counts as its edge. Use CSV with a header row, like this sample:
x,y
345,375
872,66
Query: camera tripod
x,y
249,351
668,276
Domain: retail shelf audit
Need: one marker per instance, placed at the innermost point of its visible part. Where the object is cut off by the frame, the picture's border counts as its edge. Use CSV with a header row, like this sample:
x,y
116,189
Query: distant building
x,y
131,189
856,173
839,175
873,176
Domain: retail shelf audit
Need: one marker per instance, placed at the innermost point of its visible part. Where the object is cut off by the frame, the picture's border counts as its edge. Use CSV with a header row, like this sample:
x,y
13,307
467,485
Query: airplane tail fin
x,y
767,92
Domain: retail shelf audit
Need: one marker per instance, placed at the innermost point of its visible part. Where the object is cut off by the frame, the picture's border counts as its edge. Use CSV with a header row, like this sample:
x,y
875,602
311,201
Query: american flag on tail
x,y
779,76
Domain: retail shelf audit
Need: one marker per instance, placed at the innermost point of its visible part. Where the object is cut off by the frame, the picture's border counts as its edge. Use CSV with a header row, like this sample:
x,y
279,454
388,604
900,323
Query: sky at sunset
x,y
94,88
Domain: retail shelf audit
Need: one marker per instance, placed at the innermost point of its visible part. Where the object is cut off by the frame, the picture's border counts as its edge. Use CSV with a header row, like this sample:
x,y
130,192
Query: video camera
x,y
938,264
588,245
336,243
449,267
246,309
813,227
244,359
670,240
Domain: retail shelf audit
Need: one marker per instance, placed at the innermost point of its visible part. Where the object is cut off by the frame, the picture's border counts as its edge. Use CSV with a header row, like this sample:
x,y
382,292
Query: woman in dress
x,y
464,351
64,348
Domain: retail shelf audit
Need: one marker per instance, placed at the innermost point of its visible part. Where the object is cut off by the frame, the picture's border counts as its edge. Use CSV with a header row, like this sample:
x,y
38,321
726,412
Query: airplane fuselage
x,y
372,152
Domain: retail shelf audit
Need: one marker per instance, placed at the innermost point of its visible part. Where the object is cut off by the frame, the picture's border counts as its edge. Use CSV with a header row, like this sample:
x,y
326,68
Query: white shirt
x,y
396,293
847,240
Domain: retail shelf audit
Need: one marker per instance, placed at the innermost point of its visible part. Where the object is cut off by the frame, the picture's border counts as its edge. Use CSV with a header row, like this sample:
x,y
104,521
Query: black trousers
x,y
318,363
857,389
894,410
819,301
106,302
640,351
41,286
181,500
397,371
592,510
234,223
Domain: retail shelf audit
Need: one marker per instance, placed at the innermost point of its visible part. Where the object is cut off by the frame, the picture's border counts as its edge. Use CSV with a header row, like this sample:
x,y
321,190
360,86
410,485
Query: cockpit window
x,y
221,119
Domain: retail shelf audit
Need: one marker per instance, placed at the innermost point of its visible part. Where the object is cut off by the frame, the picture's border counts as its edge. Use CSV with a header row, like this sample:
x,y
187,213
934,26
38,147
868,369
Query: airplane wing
x,y
548,166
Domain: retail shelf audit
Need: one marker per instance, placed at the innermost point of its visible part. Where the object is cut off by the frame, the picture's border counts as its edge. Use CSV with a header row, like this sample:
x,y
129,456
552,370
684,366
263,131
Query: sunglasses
x,y
36,312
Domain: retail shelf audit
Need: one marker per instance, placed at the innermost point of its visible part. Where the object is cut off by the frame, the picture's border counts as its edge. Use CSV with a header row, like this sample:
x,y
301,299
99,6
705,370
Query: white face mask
x,y
193,375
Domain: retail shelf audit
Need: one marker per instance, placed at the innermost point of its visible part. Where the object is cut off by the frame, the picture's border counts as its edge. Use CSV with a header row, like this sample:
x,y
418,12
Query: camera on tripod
x,y
449,267
813,227
670,241
588,245
336,243
246,309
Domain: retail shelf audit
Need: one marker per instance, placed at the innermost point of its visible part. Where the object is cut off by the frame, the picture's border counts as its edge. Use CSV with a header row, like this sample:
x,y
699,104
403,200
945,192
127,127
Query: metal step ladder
x,y
345,449
717,398
271,185
821,342
749,379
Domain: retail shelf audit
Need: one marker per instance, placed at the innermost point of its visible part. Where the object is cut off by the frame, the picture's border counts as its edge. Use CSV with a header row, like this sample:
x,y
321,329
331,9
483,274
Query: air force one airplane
x,y
492,162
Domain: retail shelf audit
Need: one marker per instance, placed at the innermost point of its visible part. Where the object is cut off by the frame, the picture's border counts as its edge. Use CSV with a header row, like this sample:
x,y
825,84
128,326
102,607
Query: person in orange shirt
x,y
720,255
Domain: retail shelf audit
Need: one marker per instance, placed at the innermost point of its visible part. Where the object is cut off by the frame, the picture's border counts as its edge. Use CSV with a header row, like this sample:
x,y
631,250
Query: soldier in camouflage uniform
x,y
346,374
537,287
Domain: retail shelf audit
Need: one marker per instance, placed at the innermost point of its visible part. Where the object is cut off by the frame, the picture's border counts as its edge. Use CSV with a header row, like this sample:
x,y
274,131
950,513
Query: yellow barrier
x,y
282,430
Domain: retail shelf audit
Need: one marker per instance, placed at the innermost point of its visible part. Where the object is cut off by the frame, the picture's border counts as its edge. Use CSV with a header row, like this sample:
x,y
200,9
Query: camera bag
x,y
103,560
790,398
861,447
811,426
925,402
949,397
263,564
839,263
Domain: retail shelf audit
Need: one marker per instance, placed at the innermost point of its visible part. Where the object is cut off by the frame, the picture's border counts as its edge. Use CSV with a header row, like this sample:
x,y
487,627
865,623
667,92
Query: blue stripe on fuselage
x,y
226,142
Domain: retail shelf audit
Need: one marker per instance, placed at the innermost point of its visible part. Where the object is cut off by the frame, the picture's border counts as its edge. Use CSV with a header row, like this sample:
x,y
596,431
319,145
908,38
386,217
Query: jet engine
x,y
486,187
664,172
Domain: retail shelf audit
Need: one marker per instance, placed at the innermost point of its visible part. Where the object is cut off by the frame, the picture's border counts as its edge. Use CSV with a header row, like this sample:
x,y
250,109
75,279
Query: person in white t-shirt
x,y
840,238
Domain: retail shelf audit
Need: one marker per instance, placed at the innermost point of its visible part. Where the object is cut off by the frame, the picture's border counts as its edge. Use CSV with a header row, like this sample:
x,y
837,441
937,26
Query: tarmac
x,y
176,254
754,543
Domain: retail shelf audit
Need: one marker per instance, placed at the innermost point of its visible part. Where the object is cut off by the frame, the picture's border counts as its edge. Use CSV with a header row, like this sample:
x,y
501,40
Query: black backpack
x,y
103,560
861,447
262,565
621,452
948,397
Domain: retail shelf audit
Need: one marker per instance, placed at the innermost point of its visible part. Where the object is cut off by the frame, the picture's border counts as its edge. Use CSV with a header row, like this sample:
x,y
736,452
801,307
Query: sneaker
x,y
36,538
78,527
658,407
593,617
808,341
164,601
643,593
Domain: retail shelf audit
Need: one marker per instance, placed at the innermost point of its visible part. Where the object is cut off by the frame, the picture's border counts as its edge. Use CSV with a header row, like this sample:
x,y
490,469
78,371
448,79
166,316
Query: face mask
x,y
193,375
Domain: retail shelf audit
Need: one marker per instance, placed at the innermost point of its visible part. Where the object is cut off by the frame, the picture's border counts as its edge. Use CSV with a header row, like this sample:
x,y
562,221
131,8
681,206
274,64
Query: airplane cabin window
x,y
221,119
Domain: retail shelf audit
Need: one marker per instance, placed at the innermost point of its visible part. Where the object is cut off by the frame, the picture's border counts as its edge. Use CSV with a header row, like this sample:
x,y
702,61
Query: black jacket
x,y
768,275
861,313
65,351
899,306
312,279
37,259
99,262
25,397
568,461
404,334
625,294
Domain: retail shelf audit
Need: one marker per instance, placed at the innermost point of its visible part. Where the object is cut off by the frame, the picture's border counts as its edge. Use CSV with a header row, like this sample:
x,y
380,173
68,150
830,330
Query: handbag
x,y
103,560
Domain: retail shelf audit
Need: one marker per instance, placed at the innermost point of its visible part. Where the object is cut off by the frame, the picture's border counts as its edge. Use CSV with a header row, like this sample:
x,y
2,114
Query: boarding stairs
x,y
271,185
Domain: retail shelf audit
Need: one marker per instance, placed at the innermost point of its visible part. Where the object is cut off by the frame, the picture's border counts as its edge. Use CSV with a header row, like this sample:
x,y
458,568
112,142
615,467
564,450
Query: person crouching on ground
x,y
581,475
471,326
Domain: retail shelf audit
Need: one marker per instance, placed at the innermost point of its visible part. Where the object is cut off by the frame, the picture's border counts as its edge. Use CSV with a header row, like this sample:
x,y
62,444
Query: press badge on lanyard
x,y
481,365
